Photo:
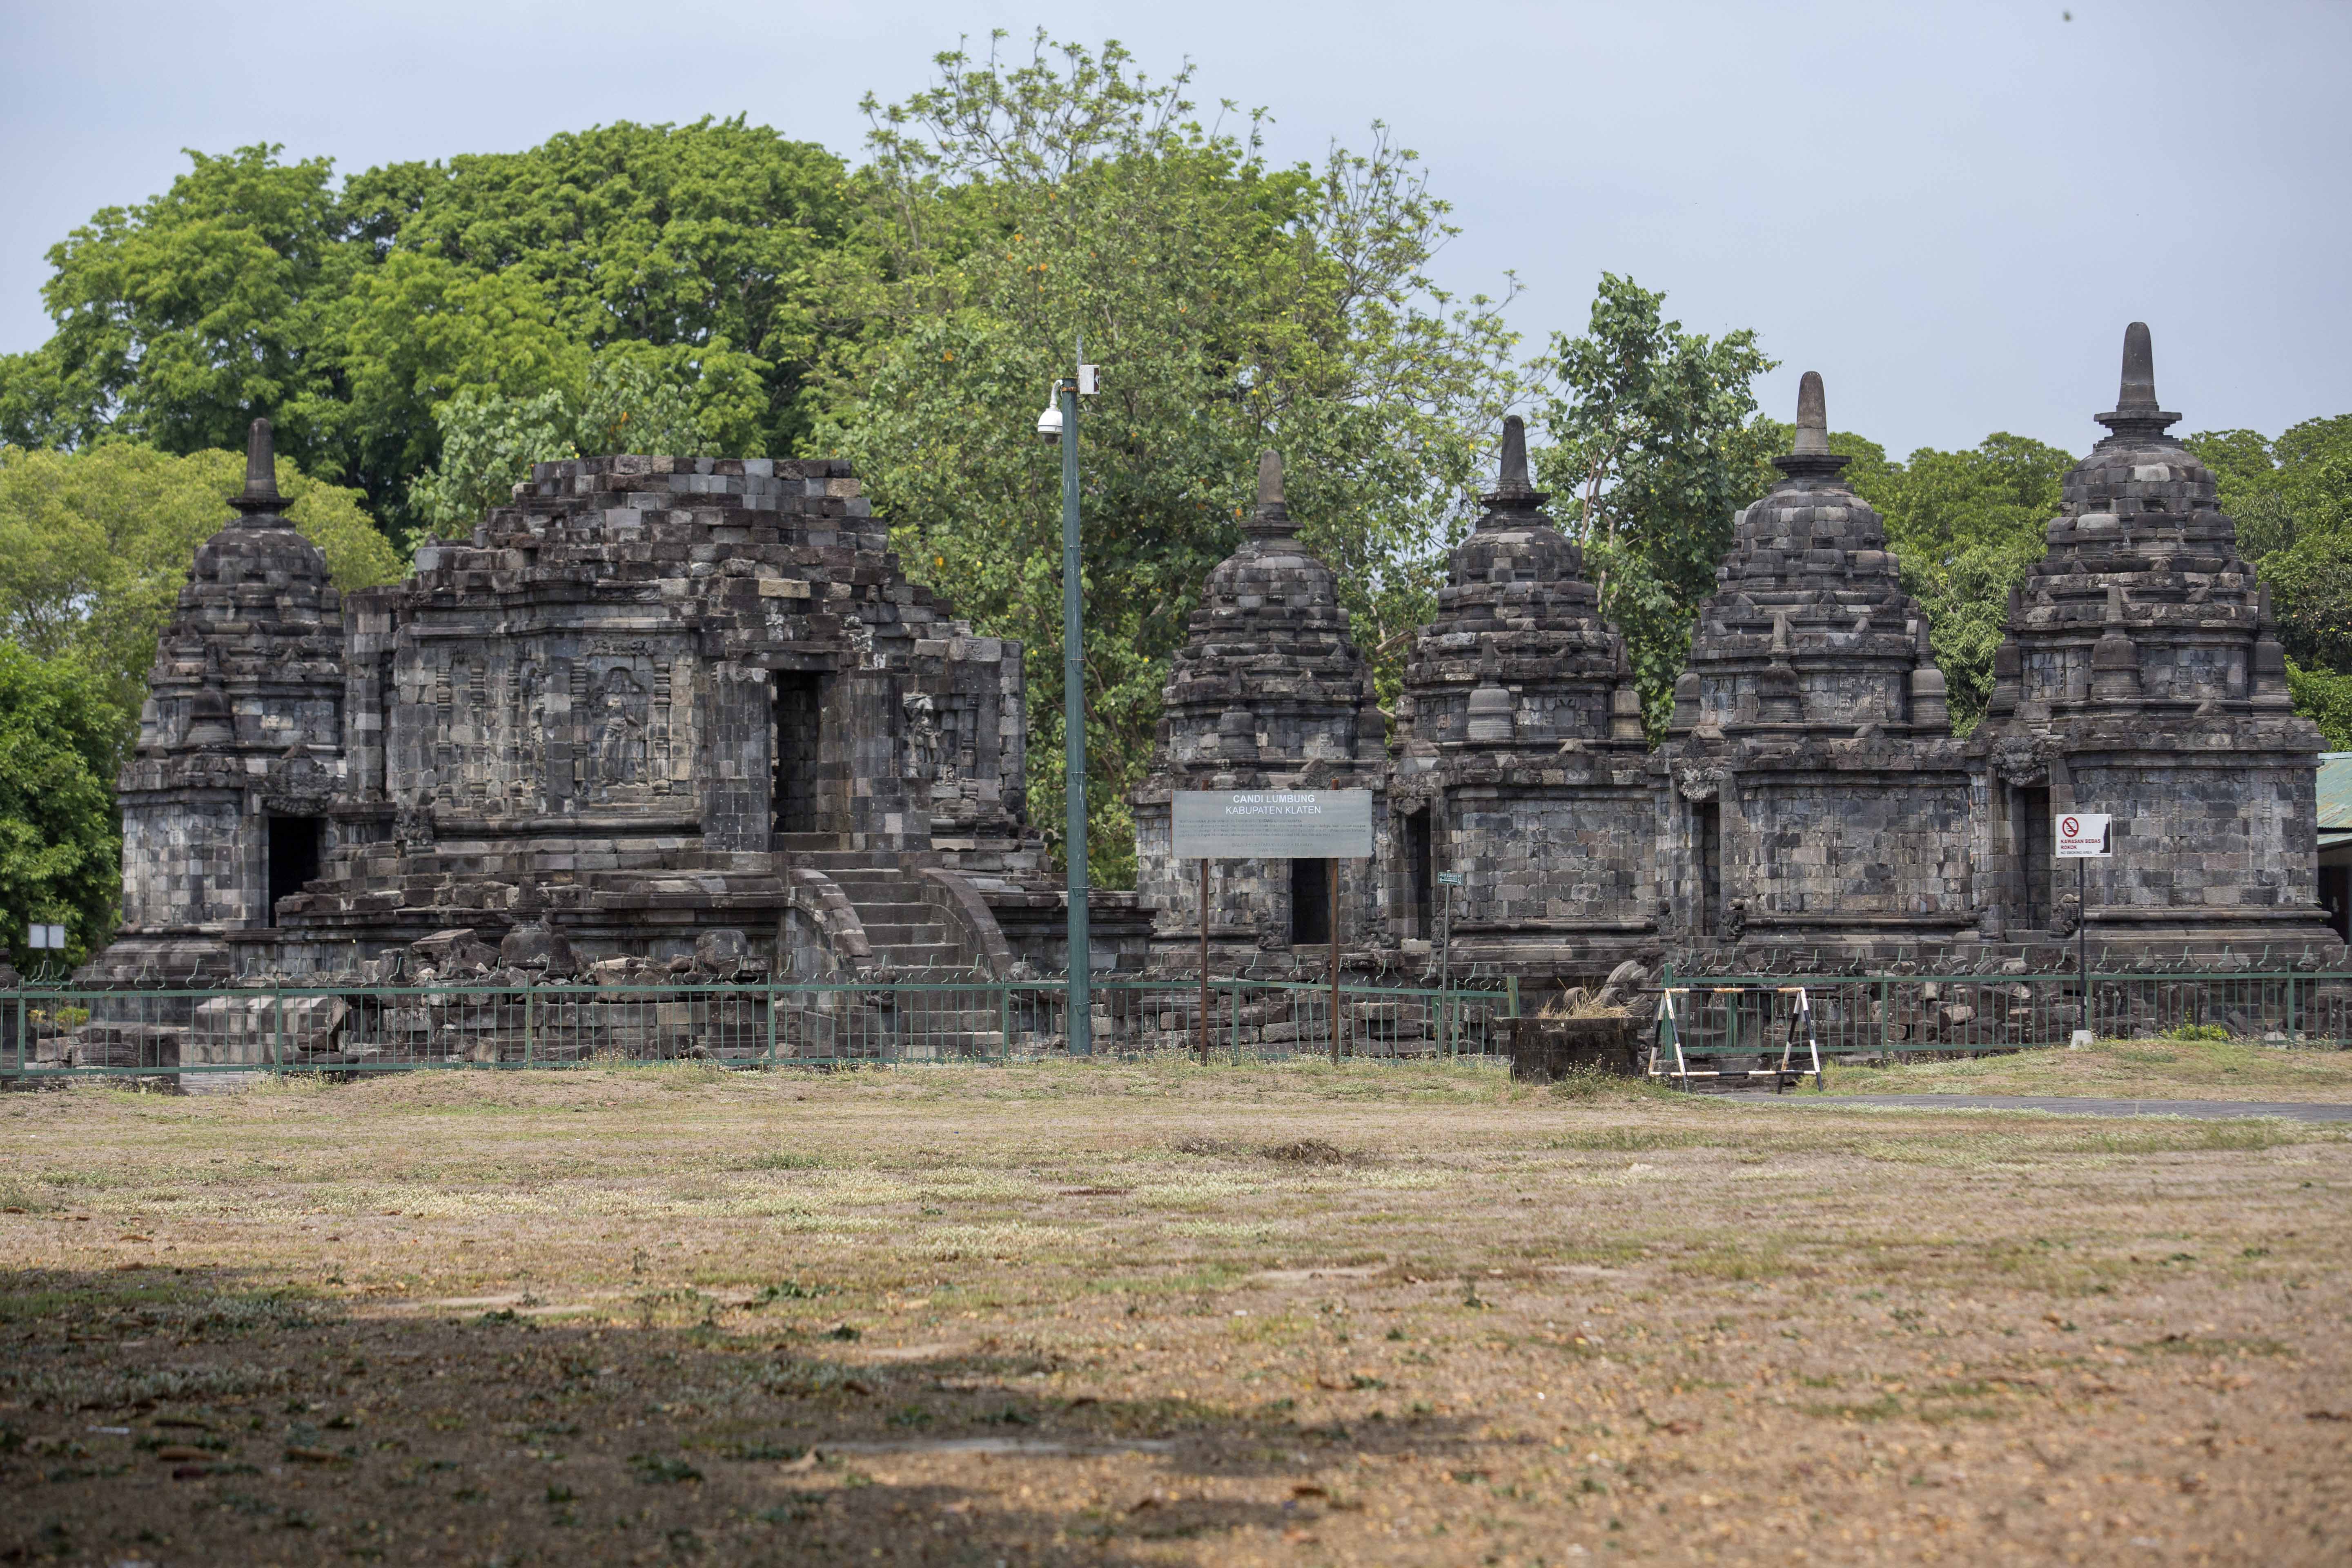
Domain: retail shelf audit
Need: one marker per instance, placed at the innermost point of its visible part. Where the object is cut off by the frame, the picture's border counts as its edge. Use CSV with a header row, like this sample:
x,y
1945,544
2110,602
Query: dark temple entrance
x,y
1310,902
1421,865
293,857
1707,822
799,712
2030,831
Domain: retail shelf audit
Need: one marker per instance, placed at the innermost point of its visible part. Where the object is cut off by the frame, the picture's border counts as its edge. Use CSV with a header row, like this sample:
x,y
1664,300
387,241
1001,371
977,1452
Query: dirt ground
x,y
1117,1314
2130,1070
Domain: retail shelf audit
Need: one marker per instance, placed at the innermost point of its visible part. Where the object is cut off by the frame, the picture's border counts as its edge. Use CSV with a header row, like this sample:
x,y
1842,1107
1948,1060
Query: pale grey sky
x,y
1949,210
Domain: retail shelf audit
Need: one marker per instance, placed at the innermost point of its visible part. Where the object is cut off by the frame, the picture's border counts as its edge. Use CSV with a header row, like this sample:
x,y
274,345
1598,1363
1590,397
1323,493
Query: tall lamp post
x,y
1059,422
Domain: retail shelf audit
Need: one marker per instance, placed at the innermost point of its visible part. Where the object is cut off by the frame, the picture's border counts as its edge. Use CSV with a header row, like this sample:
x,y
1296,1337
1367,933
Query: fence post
x,y
1883,1021
1511,986
530,1023
277,1042
772,1017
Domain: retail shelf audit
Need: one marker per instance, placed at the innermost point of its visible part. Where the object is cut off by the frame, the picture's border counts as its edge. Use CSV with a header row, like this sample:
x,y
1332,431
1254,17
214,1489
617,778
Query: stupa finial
x,y
1812,417
260,498
1810,456
2135,412
1513,496
1272,517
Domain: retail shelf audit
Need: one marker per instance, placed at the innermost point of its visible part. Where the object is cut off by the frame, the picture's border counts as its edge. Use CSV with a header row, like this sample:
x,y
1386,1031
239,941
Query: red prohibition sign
x,y
2073,828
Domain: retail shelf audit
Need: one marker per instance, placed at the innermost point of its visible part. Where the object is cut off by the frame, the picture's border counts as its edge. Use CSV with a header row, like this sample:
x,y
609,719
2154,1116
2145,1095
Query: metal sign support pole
x,y
2083,937
1335,960
1204,960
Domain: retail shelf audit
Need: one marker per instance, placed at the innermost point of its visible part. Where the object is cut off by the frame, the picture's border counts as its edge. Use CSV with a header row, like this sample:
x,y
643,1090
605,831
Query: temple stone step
x,y
902,934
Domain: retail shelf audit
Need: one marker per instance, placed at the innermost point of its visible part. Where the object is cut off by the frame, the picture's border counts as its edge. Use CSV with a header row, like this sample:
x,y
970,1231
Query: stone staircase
x,y
911,943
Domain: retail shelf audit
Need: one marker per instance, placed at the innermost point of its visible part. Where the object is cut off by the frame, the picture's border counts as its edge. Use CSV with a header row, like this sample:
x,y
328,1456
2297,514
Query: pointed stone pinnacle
x,y
2135,412
1514,502
1813,417
259,497
2138,393
1514,455
1269,479
1809,457
1272,518
260,464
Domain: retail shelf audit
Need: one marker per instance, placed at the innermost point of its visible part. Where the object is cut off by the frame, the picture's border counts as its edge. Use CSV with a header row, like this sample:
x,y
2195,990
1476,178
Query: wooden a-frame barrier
x,y
1669,1036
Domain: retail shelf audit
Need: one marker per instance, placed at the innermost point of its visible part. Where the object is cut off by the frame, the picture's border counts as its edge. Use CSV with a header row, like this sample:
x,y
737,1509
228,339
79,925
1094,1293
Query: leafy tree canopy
x,y
60,843
349,316
1654,443
2293,500
95,544
1015,207
1967,526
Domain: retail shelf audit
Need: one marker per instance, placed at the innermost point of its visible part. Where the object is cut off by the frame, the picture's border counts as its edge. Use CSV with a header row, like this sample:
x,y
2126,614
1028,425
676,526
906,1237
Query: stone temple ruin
x,y
668,717
658,712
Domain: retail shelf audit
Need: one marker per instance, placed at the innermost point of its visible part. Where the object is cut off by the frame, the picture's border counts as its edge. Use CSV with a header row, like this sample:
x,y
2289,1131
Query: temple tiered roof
x,y
1519,655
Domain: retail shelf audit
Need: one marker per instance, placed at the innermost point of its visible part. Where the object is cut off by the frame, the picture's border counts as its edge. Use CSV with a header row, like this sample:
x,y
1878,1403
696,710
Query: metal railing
x,y
64,1031
1921,1015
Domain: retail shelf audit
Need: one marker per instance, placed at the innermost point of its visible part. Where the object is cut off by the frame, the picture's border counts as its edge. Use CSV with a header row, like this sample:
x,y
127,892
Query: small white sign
x,y
1449,878
47,937
2081,835
1089,380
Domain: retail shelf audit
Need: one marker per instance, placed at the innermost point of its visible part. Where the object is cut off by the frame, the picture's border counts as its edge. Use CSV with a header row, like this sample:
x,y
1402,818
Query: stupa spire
x,y
1514,501
2135,412
1272,518
259,500
1810,456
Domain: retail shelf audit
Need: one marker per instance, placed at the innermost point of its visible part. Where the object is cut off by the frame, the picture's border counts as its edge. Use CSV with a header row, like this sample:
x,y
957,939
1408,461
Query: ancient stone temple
x,y
1520,761
689,715
227,798
2141,678
1810,794
1268,693
656,708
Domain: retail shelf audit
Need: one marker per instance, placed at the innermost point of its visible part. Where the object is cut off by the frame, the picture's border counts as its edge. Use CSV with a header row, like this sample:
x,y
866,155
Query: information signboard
x,y
1295,825
2081,836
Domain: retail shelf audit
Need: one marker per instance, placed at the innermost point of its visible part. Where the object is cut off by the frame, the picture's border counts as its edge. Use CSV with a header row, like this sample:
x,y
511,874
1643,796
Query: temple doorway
x,y
293,857
799,727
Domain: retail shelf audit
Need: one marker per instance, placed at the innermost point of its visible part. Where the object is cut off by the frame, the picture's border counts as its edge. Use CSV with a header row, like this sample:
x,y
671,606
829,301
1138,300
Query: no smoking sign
x,y
2082,836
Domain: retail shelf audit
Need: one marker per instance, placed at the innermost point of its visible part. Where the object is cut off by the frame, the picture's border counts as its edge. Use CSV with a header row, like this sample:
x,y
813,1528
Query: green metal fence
x,y
63,1031
1712,1018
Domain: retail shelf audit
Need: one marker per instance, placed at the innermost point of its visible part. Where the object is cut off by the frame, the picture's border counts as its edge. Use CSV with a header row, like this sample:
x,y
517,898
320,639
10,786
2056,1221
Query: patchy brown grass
x,y
1146,1315
2124,1069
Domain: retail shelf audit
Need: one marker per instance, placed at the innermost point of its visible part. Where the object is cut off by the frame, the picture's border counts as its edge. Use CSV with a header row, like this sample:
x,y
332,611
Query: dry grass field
x,y
2130,1070
1119,1314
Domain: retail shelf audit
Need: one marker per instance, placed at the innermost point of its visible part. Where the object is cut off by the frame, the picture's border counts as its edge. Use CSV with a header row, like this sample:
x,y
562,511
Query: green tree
x,y
349,316
489,442
2324,696
180,318
1013,208
2293,500
1655,443
95,544
61,841
706,242
1967,526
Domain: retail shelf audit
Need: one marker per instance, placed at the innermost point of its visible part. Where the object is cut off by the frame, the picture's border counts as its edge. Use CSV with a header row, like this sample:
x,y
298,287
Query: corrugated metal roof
x,y
2335,791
